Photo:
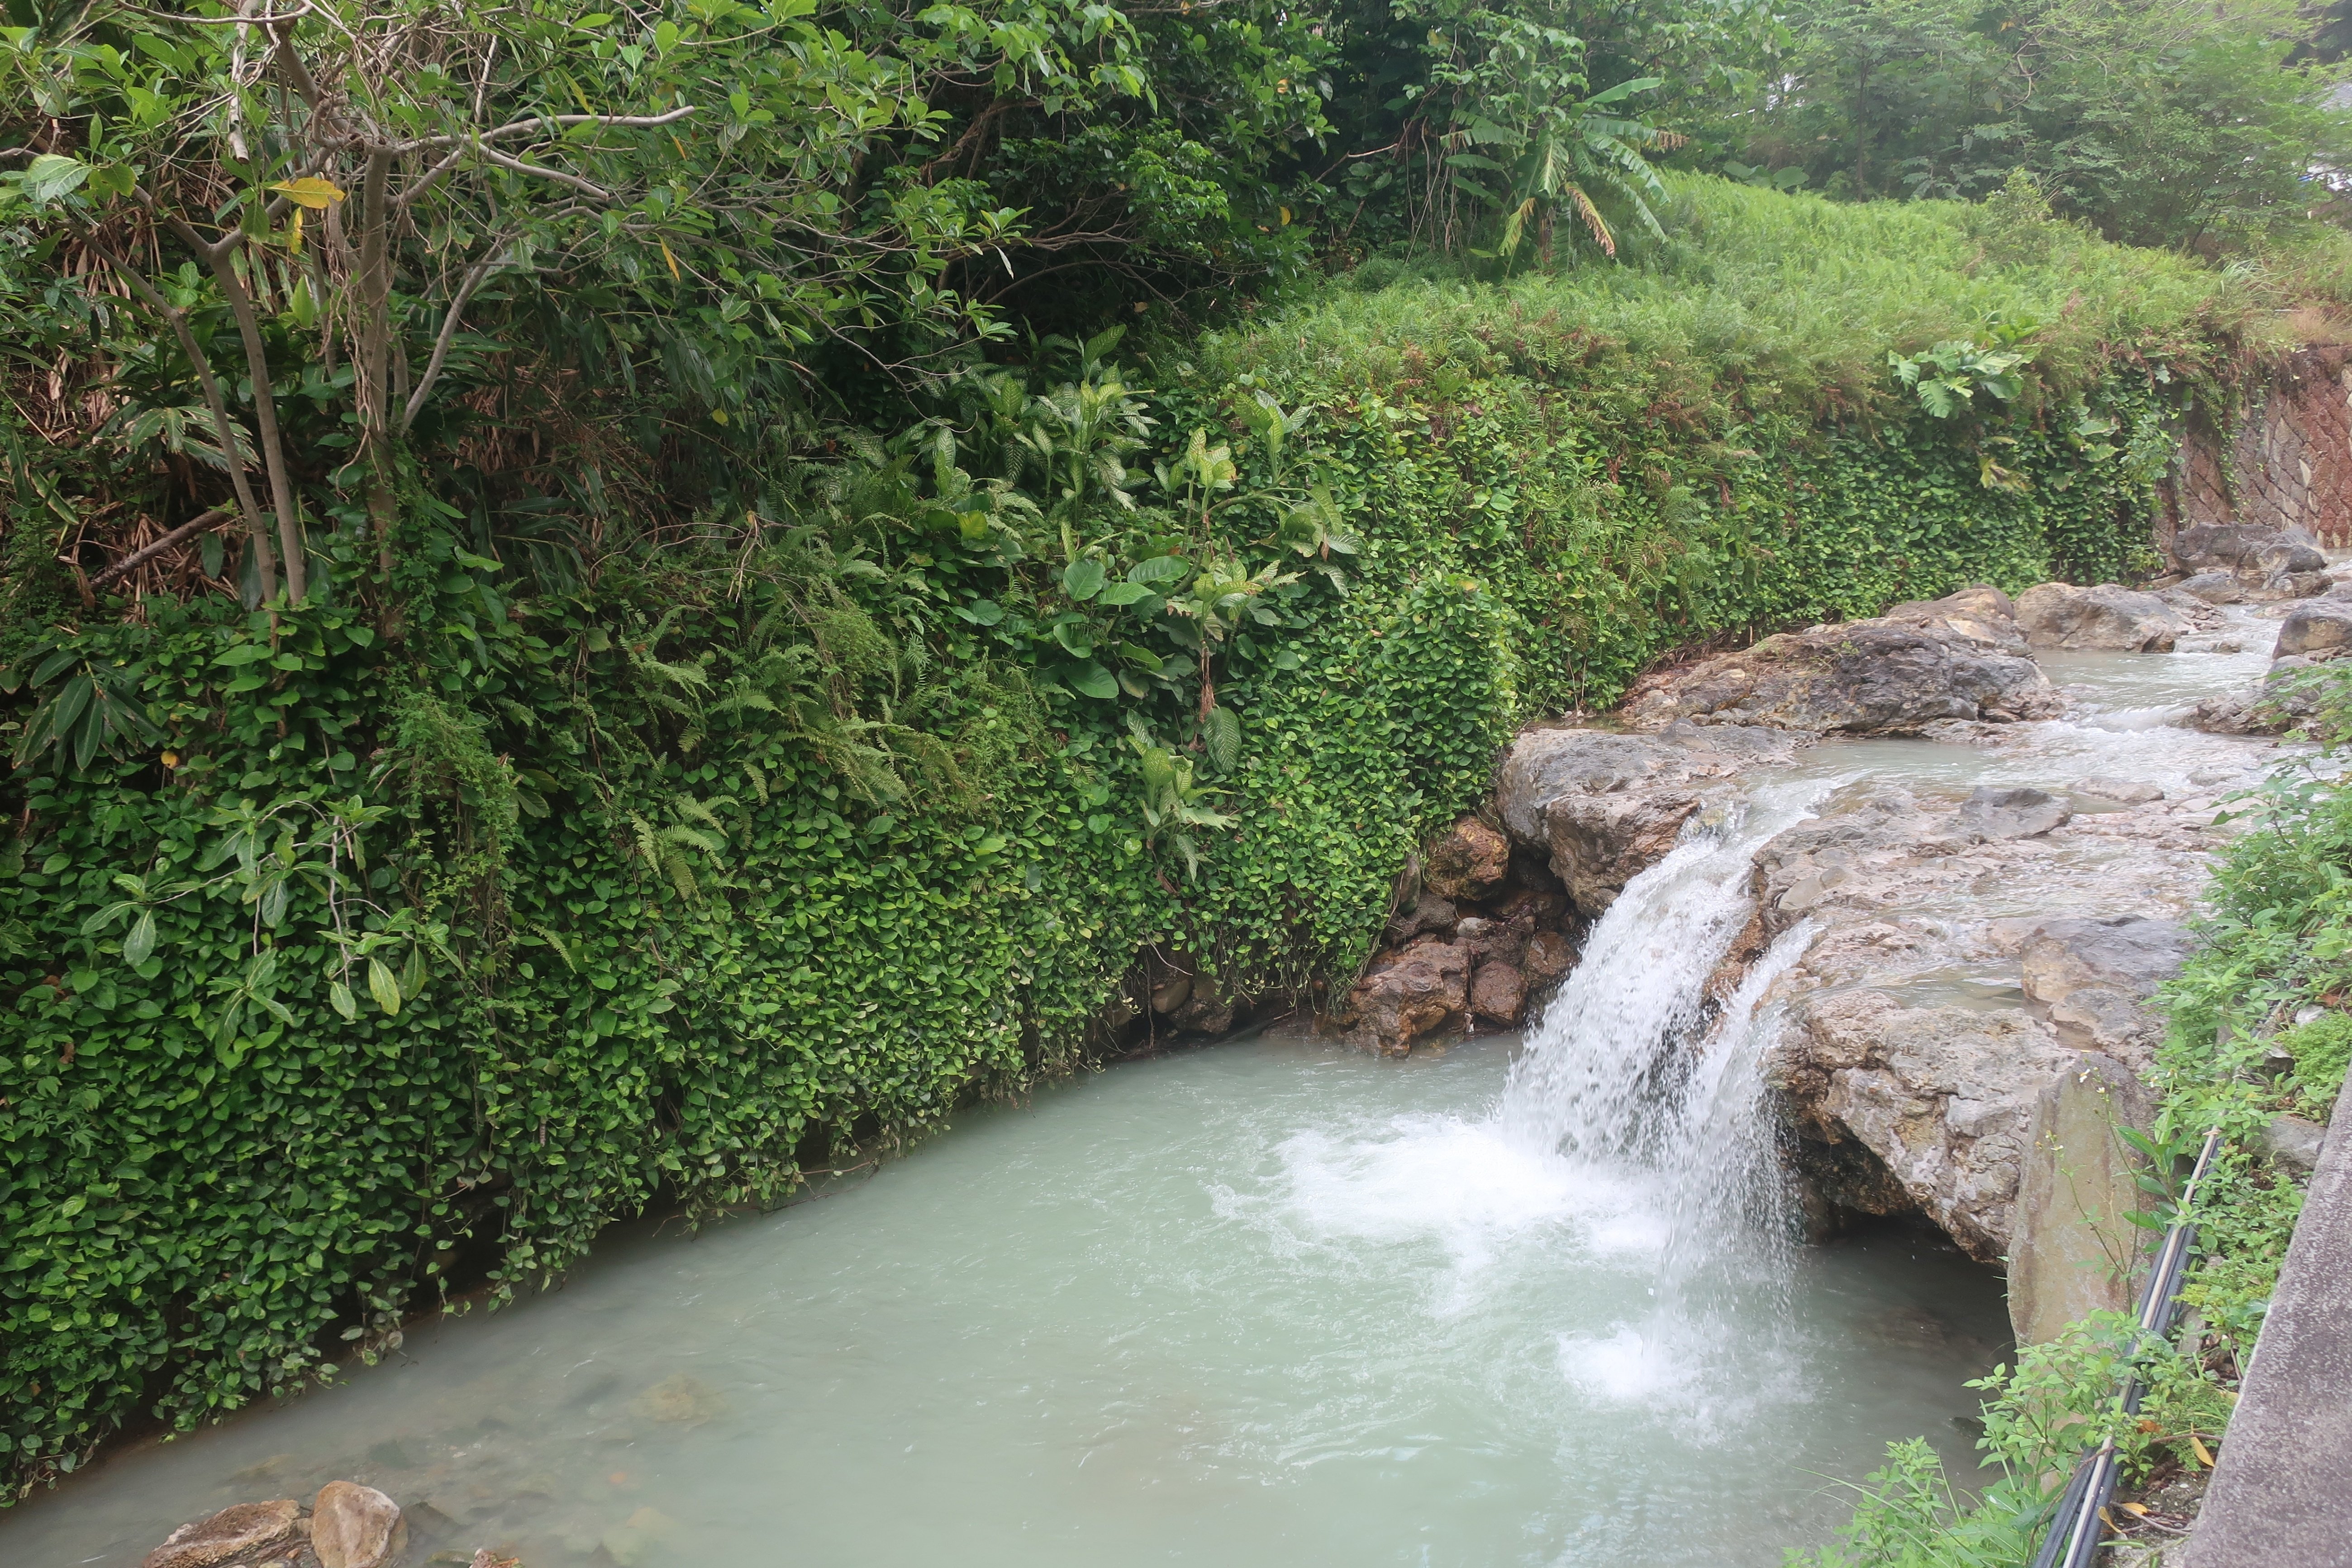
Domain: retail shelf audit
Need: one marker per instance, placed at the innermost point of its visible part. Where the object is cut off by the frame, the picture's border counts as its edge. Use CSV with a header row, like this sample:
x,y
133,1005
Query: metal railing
x,y
2080,1520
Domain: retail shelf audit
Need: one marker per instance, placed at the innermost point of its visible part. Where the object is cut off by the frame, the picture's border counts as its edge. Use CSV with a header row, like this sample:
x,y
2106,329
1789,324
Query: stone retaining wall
x,y
2289,462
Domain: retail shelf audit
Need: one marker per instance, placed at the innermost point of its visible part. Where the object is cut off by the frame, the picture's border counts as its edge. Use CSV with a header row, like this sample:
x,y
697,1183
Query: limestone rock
x,y
2292,1141
1982,614
2071,1251
1423,988
353,1526
1943,1095
2055,615
2255,555
1469,862
1499,993
2214,588
1992,814
1605,806
2088,978
233,1532
1885,677
2321,628
2122,791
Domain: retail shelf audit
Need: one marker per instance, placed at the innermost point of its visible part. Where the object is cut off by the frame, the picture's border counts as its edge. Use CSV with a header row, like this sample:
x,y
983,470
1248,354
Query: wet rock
x,y
1429,913
243,1529
1605,806
1548,956
2071,1251
2290,1141
2122,791
2252,556
1423,988
1172,993
1943,1095
1469,862
2089,978
2214,588
636,1540
1499,993
1884,677
2056,616
2321,628
353,1526
1992,814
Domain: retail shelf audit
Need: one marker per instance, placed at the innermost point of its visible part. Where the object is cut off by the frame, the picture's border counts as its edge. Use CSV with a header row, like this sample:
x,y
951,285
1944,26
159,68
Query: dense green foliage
x,y
2174,124
457,911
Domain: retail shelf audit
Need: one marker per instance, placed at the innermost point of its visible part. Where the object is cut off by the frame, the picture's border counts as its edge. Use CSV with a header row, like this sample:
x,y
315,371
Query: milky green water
x,y
1269,1303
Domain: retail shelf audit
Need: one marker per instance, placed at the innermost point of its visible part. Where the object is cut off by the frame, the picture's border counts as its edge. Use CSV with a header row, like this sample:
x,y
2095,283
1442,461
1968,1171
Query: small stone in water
x,y
2129,792
681,1399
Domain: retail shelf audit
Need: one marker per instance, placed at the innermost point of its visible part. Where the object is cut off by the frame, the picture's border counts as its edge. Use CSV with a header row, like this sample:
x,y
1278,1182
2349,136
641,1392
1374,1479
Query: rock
x,y
1982,614
353,1526
2055,615
1429,913
233,1532
2214,588
2071,1251
1423,988
1884,677
2251,555
1943,1097
1469,862
2321,629
1499,993
1548,956
1172,993
2088,978
1991,813
2123,791
2292,1141
636,1540
1606,807
2339,590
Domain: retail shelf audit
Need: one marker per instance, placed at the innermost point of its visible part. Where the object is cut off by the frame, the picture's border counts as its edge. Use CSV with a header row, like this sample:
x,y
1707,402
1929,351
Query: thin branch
x,y
540,123
558,175
146,552
474,279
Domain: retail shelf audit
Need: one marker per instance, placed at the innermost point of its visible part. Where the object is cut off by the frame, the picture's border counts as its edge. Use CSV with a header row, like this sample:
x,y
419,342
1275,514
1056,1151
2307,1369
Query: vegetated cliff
x,y
467,909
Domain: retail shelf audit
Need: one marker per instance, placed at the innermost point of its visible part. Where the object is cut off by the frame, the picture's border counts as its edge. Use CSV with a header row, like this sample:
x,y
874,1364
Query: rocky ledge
x,y
346,1526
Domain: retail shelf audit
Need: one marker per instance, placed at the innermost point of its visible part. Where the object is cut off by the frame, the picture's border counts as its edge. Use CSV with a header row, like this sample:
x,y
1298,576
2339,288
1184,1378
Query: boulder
x,y
1499,993
2214,588
1422,988
2257,555
234,1533
2071,1252
1884,677
2055,615
2320,629
353,1526
1548,956
1605,806
2089,977
1991,813
1982,614
1943,1095
1429,913
1469,861
2290,1141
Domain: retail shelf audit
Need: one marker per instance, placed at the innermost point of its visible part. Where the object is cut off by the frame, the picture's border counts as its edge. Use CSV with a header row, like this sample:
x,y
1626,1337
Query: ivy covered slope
x,y
469,905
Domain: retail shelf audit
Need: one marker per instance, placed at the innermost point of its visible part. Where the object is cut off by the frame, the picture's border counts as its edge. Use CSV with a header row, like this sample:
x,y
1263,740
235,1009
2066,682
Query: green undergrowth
x,y
2257,1027
462,911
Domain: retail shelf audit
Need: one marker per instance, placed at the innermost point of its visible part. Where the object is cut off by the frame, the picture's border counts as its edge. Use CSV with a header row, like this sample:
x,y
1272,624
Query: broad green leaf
x,y
1074,636
243,653
142,939
1082,580
1125,592
1222,734
1157,569
53,174
1091,680
339,996
382,986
